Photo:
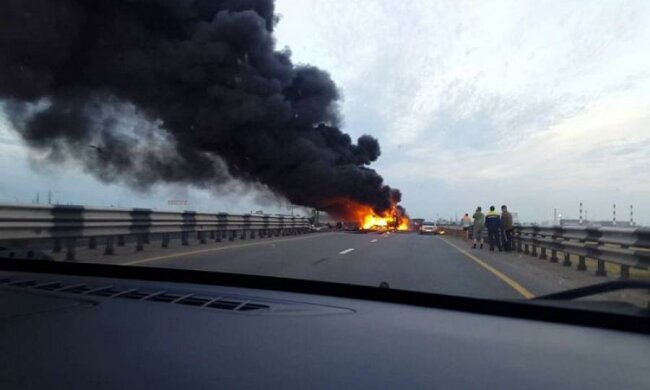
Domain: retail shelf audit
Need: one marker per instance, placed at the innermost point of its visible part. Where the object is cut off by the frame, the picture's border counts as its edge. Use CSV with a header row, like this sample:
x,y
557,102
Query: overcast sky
x,y
539,105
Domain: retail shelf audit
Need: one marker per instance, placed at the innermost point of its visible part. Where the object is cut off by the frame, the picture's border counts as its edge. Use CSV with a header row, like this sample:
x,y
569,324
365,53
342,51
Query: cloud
x,y
537,102
598,137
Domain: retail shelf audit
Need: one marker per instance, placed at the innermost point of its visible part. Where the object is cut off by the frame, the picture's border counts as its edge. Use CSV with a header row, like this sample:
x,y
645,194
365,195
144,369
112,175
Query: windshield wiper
x,y
596,289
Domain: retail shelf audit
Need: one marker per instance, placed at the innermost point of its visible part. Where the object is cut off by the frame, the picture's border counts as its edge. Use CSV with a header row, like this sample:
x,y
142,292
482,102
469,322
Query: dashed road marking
x,y
504,278
375,240
221,248
346,251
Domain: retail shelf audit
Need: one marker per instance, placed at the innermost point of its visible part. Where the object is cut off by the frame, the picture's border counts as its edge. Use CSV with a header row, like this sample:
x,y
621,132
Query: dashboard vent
x,y
228,303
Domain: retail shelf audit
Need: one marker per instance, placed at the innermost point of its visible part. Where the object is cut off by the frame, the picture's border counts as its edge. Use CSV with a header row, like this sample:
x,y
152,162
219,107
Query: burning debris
x,y
393,218
205,78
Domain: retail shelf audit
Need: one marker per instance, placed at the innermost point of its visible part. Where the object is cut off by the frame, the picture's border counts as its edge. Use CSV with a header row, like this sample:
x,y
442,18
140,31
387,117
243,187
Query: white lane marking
x,y
375,240
346,251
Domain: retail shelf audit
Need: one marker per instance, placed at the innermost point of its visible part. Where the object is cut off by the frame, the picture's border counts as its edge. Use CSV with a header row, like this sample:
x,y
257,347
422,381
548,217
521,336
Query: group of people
x,y
499,227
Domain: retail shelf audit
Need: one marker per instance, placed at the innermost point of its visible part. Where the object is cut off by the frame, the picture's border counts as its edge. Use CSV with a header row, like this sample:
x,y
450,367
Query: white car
x,y
428,228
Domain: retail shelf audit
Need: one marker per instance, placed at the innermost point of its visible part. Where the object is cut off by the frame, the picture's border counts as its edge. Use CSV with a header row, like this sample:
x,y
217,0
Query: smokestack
x,y
580,213
189,92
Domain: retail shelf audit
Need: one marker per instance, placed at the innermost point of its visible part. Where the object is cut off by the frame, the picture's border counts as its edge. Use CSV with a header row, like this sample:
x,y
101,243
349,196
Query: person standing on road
x,y
506,228
479,224
493,225
465,223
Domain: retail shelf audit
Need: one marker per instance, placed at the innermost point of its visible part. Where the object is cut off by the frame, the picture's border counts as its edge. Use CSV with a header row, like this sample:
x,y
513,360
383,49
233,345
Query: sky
x,y
539,105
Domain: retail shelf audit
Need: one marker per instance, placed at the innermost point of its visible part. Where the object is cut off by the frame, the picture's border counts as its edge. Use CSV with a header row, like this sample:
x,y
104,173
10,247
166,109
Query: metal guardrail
x,y
66,224
627,247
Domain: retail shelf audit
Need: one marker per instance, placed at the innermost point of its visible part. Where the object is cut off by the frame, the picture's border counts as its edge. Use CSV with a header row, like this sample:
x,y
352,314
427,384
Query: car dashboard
x,y
78,331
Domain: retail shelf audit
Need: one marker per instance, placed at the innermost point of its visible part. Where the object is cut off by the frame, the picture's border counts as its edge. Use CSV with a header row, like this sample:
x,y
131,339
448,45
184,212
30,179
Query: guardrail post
x,y
542,253
92,243
554,258
165,240
534,252
567,259
57,245
600,270
201,237
140,239
109,246
120,241
185,239
625,271
582,265
217,236
70,248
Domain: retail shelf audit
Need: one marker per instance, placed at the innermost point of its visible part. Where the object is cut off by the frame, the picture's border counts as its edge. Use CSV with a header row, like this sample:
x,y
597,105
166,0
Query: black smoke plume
x,y
179,91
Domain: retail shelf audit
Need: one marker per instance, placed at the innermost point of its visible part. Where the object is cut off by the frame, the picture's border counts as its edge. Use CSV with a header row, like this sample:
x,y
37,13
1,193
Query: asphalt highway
x,y
409,261
404,261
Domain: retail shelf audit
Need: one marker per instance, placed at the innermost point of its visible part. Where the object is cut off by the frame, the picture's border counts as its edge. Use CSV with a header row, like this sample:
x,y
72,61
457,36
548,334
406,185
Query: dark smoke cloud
x,y
179,91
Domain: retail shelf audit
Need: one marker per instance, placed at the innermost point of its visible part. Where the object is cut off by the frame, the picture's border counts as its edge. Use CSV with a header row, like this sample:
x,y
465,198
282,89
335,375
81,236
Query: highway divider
x,y
626,247
64,225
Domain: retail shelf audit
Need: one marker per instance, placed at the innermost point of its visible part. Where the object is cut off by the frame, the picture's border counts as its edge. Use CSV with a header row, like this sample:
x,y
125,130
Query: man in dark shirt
x,y
493,225
506,228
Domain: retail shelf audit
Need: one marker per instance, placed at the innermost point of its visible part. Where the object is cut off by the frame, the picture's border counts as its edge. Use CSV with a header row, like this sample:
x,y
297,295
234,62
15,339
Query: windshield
x,y
314,140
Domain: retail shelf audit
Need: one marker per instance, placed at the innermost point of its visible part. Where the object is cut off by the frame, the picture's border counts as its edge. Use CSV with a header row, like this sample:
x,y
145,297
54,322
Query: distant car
x,y
351,226
319,228
428,228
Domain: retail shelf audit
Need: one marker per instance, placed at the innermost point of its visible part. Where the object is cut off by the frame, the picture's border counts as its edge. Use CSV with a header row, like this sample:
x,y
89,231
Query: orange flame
x,y
368,219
